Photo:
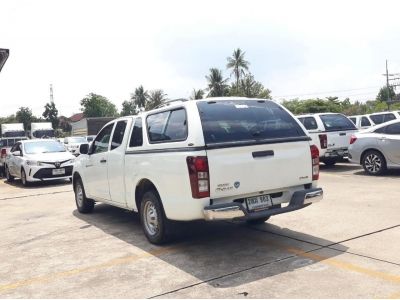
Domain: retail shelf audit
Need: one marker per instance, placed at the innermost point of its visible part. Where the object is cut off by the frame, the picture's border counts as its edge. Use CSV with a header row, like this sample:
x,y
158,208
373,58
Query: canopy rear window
x,y
246,120
337,122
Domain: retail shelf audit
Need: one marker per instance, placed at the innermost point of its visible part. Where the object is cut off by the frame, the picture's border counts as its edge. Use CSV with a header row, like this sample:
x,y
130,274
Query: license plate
x,y
58,171
259,202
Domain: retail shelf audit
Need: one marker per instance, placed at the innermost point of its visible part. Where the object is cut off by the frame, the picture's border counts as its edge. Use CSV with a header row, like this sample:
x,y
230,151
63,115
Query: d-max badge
x,y
237,184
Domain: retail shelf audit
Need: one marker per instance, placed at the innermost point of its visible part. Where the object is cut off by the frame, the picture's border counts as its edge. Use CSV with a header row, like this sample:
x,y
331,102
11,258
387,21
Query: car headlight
x,y
32,163
72,161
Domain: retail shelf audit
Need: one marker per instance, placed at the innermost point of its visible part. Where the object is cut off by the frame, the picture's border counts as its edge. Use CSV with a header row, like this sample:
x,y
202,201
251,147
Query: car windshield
x,y
77,139
246,120
43,147
46,133
335,122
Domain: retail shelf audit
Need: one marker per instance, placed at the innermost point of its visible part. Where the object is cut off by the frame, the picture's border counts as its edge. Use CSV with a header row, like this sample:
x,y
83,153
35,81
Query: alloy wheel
x,y
373,163
151,218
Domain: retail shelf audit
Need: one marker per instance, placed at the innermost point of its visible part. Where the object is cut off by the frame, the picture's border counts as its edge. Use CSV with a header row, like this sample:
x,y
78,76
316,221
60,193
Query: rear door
x,y
253,146
338,129
390,143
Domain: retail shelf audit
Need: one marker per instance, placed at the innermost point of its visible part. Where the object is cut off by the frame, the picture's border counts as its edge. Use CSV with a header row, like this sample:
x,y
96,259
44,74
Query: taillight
x,y
3,153
353,139
199,176
323,140
315,162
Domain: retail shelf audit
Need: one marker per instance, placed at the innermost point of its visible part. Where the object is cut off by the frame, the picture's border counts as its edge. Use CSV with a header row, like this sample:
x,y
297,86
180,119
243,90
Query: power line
x,y
337,91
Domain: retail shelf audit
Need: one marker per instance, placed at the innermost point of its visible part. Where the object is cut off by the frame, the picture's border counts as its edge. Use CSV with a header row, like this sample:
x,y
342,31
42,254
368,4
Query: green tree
x,y
217,86
197,94
249,87
140,97
50,114
129,108
385,94
155,98
94,105
24,115
238,65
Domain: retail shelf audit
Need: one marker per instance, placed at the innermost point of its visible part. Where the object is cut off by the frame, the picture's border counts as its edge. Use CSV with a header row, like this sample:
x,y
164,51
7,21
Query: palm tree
x,y
140,97
217,86
197,94
238,64
155,98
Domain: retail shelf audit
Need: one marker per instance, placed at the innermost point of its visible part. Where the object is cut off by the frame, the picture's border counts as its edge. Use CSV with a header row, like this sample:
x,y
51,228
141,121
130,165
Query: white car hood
x,y
51,157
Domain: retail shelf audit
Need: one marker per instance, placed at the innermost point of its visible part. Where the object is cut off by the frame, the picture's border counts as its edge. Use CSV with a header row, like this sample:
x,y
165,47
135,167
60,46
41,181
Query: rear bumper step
x,y
229,211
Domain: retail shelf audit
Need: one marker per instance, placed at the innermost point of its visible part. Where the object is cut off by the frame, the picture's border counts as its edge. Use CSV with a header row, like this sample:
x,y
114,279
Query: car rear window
x,y
167,126
246,120
382,118
336,122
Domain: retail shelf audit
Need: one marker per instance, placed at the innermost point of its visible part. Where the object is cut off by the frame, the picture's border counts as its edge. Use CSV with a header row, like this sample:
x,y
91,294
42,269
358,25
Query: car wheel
x,y
257,221
153,219
329,161
374,163
83,204
9,177
24,181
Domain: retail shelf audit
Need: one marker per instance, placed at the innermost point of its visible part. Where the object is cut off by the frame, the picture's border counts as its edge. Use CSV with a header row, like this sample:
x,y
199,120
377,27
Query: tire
x,y
24,181
329,161
83,204
257,221
374,163
153,219
9,177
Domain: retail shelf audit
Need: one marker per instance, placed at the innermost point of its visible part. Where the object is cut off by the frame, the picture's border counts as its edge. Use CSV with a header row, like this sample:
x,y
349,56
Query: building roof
x,y
76,117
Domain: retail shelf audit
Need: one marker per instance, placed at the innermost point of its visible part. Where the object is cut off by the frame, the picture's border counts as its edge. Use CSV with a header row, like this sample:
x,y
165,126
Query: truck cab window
x,y
365,122
102,140
118,135
137,134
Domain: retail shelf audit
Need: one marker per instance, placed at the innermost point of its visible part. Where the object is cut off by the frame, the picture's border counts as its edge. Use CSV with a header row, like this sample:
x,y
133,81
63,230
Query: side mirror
x,y
84,148
16,153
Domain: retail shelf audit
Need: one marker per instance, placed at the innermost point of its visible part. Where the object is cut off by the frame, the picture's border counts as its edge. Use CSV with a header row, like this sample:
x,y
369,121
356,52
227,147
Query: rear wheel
x,y
9,177
257,221
374,163
83,204
153,219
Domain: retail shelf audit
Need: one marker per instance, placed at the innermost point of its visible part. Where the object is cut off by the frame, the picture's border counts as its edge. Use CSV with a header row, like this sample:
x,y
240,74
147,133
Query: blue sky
x,y
296,48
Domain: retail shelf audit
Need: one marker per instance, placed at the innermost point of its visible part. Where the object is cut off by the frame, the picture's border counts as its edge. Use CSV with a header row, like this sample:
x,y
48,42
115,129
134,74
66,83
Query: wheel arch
x,y
143,186
75,177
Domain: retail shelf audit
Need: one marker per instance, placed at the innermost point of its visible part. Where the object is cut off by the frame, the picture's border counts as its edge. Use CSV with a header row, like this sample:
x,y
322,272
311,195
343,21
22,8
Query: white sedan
x,y
38,160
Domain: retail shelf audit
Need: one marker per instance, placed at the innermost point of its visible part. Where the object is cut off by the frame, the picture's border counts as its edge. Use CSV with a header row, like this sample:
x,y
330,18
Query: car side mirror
x,y
16,153
84,148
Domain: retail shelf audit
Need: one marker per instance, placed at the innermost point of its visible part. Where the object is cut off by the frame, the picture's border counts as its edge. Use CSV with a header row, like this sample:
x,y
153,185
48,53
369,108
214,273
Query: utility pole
x,y
51,93
389,87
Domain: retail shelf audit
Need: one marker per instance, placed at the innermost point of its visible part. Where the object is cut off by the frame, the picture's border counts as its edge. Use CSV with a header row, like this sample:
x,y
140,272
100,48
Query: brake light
x,y
353,139
315,162
323,140
199,176
3,152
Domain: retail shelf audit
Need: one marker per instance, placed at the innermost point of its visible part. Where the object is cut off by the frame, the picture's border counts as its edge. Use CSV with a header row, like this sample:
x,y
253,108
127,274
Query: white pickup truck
x,y
331,132
210,159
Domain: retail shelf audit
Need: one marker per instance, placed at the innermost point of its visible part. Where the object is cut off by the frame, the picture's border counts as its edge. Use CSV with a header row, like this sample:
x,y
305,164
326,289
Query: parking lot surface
x,y
345,246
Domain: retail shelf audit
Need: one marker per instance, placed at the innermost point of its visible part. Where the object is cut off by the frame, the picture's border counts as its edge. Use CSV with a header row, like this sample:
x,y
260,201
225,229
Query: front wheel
x,y
374,163
153,219
24,181
83,204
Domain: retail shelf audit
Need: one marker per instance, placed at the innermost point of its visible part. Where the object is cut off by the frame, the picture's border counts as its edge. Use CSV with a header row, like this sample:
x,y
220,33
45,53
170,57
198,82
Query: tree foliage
x,y
140,97
94,105
237,64
129,108
155,98
197,94
217,86
24,115
249,87
50,114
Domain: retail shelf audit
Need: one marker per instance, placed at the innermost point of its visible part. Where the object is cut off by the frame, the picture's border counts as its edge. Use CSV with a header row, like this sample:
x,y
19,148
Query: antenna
x,y
51,94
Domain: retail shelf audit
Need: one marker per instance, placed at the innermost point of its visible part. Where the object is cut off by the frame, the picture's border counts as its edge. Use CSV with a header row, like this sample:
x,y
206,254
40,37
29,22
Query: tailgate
x,y
258,168
338,129
339,139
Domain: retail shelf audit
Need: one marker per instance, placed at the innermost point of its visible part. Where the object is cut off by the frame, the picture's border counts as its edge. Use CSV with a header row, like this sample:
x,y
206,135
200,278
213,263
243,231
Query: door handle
x,y
103,161
263,153
342,133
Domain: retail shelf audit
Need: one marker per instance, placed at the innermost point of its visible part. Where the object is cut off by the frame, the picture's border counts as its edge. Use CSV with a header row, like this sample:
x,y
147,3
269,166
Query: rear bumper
x,y
229,211
336,153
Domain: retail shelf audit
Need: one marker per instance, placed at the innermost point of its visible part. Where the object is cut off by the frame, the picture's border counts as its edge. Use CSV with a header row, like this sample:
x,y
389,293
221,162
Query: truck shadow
x,y
36,185
392,173
340,168
222,254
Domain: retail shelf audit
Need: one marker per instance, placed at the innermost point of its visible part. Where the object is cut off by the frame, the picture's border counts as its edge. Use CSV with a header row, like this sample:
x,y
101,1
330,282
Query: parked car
x,y
90,138
72,143
383,117
42,130
377,148
362,121
211,159
38,160
331,133
5,146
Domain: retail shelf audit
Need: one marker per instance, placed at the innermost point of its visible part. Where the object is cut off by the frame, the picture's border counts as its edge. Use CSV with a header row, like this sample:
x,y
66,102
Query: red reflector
x,y
353,139
199,176
323,140
315,162
3,152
